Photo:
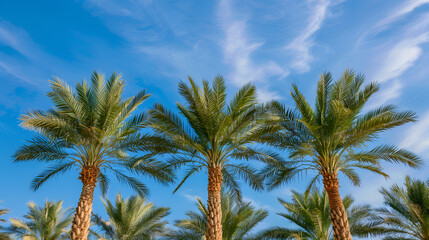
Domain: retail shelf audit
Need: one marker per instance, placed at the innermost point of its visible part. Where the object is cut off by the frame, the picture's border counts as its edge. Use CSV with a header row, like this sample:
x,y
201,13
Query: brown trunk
x,y
214,210
82,217
340,223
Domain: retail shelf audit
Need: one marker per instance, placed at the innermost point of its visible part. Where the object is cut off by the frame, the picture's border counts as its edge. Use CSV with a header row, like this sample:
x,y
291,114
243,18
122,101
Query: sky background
x,y
155,44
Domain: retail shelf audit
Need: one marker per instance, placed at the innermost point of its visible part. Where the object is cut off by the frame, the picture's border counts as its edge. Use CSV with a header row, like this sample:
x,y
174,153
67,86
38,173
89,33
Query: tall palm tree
x,y
50,222
333,137
90,129
406,211
238,221
209,134
310,212
3,235
131,219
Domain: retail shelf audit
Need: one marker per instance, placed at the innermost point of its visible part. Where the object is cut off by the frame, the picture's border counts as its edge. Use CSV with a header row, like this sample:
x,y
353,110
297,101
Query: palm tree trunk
x,y
214,207
82,217
340,223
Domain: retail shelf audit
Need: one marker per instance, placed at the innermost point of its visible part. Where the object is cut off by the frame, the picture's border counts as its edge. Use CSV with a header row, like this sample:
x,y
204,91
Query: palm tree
x,y
238,221
50,222
406,211
131,219
333,137
310,212
91,129
3,235
209,134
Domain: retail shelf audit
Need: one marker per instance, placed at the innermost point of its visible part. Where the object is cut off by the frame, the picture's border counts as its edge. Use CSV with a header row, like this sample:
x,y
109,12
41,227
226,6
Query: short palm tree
x,y
90,129
3,235
209,134
238,221
406,211
333,137
131,219
310,212
50,222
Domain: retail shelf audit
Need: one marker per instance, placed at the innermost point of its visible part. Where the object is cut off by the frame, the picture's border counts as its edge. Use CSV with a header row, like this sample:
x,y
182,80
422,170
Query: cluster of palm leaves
x,y
94,129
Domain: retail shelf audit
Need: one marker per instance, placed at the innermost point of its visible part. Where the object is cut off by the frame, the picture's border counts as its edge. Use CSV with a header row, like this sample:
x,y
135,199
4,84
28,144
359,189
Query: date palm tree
x,y
333,137
50,222
131,219
238,221
310,212
209,134
405,214
3,234
91,129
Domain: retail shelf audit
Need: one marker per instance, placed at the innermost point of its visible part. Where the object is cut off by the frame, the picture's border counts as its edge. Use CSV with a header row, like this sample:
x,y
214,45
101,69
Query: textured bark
x,y
82,217
340,223
214,210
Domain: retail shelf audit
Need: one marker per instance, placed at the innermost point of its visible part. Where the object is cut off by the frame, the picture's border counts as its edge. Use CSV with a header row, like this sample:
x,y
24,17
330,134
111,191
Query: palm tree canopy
x,y
211,131
131,219
333,136
310,212
49,222
91,126
238,221
405,214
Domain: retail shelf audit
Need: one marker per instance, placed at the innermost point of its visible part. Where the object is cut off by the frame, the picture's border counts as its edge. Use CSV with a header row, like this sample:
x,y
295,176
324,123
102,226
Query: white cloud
x,y
191,198
400,58
257,204
265,95
237,49
301,45
417,139
403,9
391,92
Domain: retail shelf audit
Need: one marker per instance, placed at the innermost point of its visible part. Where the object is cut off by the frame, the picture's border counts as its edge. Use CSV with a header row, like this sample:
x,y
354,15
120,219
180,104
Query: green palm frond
x,y
333,135
212,131
4,235
310,213
131,219
239,220
49,222
405,214
92,125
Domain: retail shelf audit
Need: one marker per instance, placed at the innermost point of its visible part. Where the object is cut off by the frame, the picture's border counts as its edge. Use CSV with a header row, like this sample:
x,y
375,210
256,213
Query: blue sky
x,y
155,44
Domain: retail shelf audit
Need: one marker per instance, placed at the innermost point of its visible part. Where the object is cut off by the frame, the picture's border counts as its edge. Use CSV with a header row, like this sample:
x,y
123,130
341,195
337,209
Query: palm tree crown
x,y
50,222
333,136
90,127
406,211
132,219
238,220
212,132
310,212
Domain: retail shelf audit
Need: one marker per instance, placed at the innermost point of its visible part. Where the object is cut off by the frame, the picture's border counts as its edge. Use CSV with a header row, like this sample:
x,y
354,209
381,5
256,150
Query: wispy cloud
x,y
257,204
401,57
190,197
399,12
301,46
238,50
31,63
417,138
